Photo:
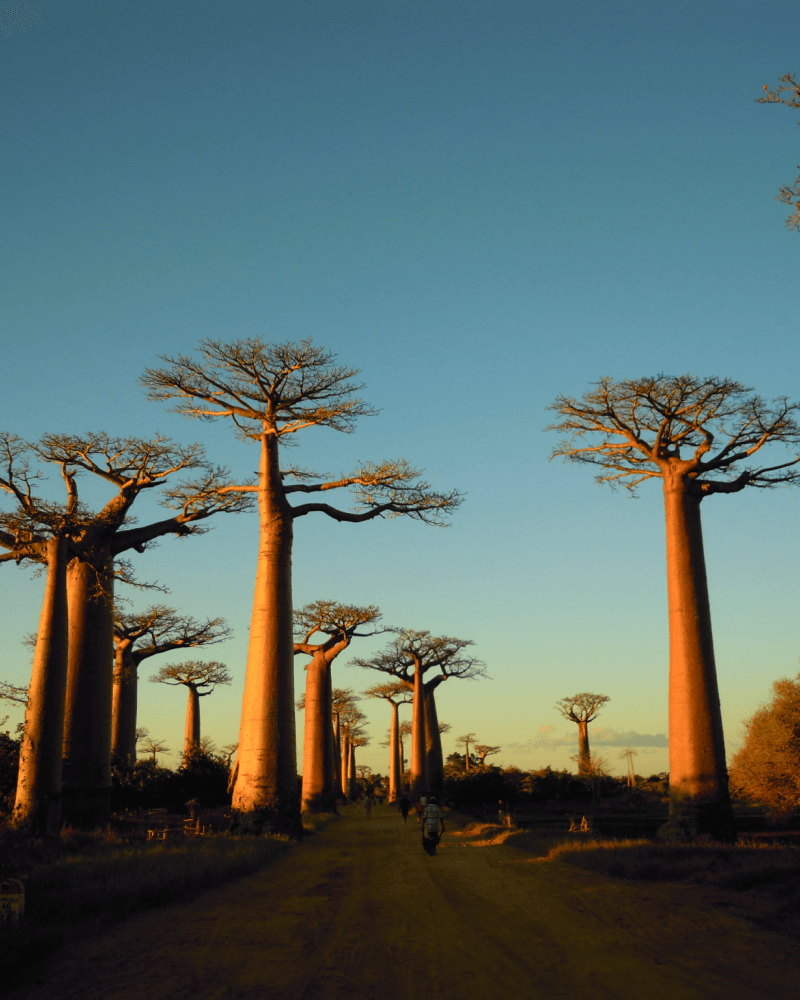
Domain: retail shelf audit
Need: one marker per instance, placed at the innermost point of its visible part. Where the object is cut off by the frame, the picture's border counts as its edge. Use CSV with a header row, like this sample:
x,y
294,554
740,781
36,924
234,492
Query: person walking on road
x,y
431,820
405,805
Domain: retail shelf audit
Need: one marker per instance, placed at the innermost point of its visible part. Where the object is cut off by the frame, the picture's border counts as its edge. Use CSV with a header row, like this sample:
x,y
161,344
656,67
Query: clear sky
x,y
478,204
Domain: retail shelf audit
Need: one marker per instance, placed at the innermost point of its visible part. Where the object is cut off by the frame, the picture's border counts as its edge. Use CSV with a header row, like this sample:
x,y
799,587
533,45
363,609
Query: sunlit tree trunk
x,y
395,762
698,776
337,756
352,784
124,705
191,739
37,803
419,776
317,793
434,759
584,754
333,749
345,766
265,795
87,724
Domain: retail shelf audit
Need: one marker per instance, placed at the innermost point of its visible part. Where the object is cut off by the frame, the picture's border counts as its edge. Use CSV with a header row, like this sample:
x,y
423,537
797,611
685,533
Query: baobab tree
x,y
698,436
13,692
271,392
339,623
137,637
484,750
352,732
788,93
466,742
43,532
200,679
397,694
582,709
409,657
131,466
154,747
628,754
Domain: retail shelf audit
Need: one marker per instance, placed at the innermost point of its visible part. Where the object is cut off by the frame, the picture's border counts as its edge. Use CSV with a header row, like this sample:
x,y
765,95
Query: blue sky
x,y
479,205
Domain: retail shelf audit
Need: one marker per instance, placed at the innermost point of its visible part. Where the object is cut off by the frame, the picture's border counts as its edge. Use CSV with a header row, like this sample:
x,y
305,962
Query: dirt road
x,y
360,912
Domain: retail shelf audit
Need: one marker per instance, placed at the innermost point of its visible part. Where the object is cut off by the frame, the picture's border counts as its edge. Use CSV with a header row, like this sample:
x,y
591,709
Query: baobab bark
x,y
584,754
352,784
345,768
87,727
125,694
419,773
699,800
395,763
336,756
38,798
434,758
265,795
191,740
317,794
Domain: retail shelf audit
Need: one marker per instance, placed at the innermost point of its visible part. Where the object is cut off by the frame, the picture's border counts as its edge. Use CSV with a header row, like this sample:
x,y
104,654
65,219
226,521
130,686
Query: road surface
x,y
360,912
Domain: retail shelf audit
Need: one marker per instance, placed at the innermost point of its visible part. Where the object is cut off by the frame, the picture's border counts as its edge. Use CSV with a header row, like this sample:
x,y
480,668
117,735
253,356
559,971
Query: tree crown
x,y
788,93
582,707
194,674
705,429
411,651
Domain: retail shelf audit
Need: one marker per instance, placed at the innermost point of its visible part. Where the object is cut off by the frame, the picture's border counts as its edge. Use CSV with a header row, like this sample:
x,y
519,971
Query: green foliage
x,y
9,766
767,768
202,777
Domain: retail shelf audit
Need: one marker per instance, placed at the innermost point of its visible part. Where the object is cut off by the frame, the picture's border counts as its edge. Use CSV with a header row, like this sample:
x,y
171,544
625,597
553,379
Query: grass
x,y
82,882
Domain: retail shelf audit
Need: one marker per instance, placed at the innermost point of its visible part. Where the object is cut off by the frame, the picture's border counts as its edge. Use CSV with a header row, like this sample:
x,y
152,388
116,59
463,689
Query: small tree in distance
x,y
200,679
699,437
483,750
466,742
582,709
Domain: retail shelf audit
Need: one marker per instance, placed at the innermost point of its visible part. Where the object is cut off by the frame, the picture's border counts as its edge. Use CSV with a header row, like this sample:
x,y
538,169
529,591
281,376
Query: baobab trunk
x,y
584,755
317,795
434,759
336,757
699,800
352,784
345,767
37,803
265,795
395,762
191,739
87,723
124,707
419,776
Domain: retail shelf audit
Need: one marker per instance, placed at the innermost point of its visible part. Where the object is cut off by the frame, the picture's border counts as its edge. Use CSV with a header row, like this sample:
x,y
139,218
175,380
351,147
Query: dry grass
x,y
82,882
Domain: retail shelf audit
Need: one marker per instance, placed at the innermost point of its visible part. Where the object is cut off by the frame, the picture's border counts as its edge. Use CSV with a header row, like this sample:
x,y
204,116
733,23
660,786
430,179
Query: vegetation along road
x,y
359,911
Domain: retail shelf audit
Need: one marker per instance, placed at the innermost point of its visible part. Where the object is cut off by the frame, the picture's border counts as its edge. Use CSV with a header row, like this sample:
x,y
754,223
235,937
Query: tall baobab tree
x,y
131,466
582,709
466,741
353,733
200,679
43,532
137,637
788,93
271,392
409,657
628,754
153,746
699,436
397,694
484,750
339,623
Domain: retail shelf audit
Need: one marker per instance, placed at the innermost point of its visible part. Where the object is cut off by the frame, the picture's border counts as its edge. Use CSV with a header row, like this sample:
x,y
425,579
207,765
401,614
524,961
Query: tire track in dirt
x,y
359,911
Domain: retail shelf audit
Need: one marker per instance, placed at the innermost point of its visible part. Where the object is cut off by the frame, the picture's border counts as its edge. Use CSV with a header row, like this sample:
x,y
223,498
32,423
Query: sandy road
x,y
360,912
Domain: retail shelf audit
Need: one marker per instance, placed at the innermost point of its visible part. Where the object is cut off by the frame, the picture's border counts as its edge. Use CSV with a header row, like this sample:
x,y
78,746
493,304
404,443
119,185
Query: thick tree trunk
x,y
352,783
699,798
265,795
345,768
337,757
419,776
124,706
191,738
584,755
333,747
395,762
87,725
37,803
317,795
434,758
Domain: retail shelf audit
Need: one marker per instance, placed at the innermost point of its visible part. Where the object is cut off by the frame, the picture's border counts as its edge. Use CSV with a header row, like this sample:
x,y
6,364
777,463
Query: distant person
x,y
368,806
405,805
431,821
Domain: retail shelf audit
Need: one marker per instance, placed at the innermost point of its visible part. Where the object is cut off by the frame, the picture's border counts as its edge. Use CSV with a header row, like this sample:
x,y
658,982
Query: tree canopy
x,y
787,92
